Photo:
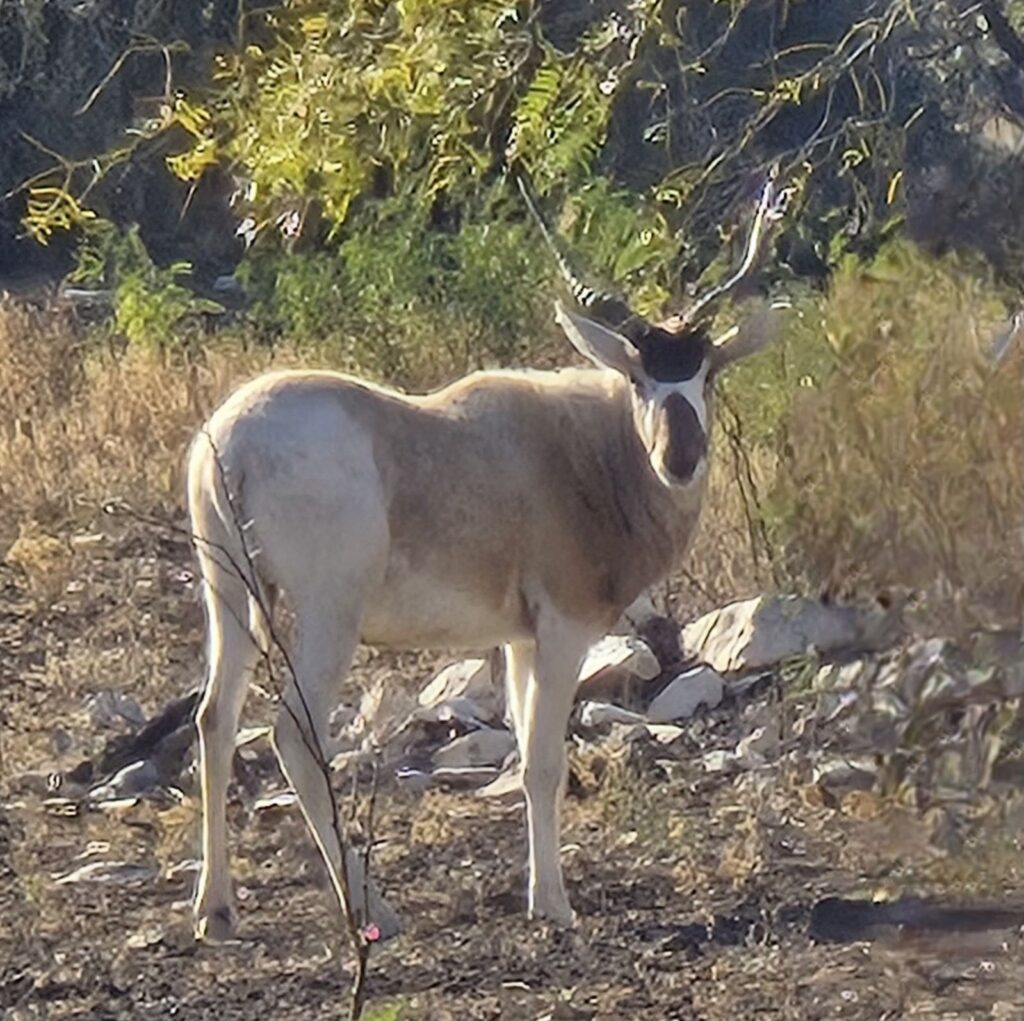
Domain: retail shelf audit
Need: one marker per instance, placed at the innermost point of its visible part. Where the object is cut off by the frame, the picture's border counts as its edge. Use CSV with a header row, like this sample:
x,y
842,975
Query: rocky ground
x,y
786,832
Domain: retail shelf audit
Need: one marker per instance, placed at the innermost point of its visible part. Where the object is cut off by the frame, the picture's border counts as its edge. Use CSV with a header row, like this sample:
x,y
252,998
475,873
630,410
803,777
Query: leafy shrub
x,y
405,303
904,464
149,301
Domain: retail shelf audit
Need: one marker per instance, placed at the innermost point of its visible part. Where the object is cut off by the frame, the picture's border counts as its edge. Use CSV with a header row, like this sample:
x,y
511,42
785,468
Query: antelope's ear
x,y
602,346
757,330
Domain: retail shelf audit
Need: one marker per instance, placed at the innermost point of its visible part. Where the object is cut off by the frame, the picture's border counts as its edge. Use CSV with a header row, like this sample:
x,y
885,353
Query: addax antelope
x,y
518,509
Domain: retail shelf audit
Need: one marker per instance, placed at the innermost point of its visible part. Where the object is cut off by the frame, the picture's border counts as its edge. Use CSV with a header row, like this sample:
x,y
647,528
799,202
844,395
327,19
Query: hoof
x,y
560,915
216,926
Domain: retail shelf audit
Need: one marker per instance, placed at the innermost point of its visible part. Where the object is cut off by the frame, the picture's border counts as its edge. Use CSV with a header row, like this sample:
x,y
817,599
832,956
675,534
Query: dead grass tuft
x,y
44,559
81,423
906,464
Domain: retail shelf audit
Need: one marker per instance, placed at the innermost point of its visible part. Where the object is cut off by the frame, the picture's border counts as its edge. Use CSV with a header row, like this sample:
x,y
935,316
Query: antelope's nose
x,y
686,444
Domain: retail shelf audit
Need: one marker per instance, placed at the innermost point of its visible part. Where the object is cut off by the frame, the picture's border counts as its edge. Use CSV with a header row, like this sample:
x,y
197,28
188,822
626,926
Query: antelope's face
x,y
671,375
672,403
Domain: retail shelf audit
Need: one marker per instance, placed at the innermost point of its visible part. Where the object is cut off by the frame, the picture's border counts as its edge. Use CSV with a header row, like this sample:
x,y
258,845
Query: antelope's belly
x,y
449,609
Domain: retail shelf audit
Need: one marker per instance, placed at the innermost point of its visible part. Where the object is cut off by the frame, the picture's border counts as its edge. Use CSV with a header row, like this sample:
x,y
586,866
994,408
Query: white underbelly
x,y
421,614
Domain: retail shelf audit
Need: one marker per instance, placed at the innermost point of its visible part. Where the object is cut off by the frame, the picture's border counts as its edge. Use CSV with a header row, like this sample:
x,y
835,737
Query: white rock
x,y
620,653
698,687
596,714
485,747
470,679
665,733
460,708
764,631
508,787
718,761
280,799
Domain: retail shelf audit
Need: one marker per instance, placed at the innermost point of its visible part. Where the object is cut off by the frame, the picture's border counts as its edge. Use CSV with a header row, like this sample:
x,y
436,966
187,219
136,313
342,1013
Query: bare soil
x,y
695,891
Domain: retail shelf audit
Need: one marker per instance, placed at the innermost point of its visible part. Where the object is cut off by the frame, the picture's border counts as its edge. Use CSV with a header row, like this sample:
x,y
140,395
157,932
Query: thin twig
x,y
363,947
179,46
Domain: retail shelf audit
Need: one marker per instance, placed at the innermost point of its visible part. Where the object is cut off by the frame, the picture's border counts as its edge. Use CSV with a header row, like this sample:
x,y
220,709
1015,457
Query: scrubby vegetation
x,y
230,187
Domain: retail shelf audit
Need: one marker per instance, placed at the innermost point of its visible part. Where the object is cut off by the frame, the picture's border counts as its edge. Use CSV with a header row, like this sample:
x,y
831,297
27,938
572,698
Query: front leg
x,y
561,647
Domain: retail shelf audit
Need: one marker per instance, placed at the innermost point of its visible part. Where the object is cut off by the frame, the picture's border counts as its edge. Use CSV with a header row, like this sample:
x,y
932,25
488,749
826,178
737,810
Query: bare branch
x,y
179,46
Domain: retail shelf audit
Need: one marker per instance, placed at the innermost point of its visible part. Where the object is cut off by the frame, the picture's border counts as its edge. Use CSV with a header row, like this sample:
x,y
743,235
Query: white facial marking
x,y
691,389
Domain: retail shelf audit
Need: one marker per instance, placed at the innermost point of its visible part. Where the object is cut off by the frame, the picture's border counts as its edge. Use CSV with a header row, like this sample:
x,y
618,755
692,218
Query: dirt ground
x,y
696,891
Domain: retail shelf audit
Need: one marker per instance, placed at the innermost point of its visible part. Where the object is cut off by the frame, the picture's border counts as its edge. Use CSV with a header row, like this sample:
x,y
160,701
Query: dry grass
x,y
82,423
905,466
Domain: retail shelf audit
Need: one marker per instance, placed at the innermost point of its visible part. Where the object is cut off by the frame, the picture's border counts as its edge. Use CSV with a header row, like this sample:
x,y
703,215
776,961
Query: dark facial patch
x,y
669,357
687,443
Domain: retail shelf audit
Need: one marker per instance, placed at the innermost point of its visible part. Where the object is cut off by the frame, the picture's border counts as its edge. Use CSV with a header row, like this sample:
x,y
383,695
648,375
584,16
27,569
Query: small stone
x,y
665,733
112,708
117,806
621,653
280,799
465,777
136,778
858,774
681,698
718,761
485,747
597,714
460,708
508,787
636,615
469,677
414,780
61,741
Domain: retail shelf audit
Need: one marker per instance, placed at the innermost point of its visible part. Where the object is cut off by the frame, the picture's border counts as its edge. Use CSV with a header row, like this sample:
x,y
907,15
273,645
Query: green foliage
x,y
560,122
764,388
623,239
406,303
149,302
349,91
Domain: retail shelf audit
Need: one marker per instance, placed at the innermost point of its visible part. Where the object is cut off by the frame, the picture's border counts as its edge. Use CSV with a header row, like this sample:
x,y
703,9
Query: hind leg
x,y
328,632
232,655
